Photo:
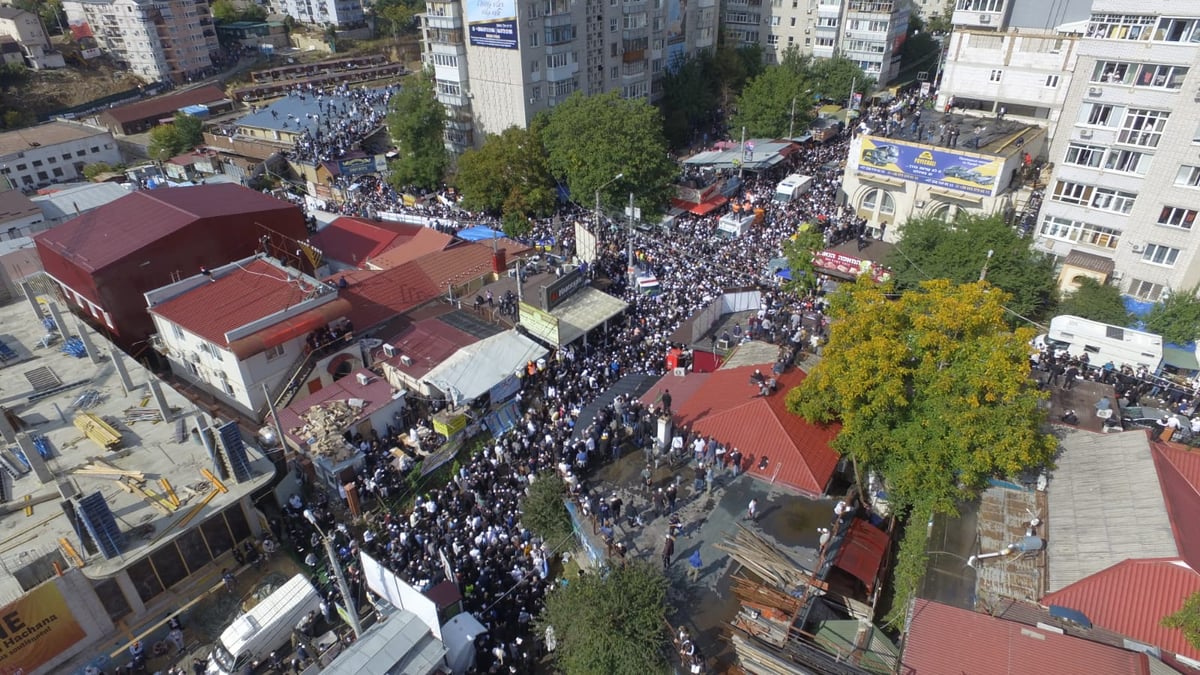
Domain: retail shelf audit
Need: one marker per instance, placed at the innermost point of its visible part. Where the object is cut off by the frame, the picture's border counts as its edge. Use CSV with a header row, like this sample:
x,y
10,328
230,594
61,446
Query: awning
x,y
861,552
287,329
586,309
1179,357
701,209
876,178
957,196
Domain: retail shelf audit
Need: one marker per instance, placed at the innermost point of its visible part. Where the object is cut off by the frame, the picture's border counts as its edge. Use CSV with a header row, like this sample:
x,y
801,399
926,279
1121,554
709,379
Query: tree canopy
x,y
1177,318
930,248
393,17
1096,301
227,11
932,390
543,511
1187,619
610,623
508,176
592,139
417,124
799,251
690,98
174,138
765,105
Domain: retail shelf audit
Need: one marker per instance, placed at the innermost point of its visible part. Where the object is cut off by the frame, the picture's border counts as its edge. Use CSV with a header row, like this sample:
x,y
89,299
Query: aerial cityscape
x,y
391,337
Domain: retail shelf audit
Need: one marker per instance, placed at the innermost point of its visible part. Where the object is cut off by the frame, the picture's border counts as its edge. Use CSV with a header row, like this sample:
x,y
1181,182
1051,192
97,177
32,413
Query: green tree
x,y
611,623
49,11
94,169
544,511
733,67
930,248
765,107
799,251
508,176
1176,319
190,130
1096,301
226,11
13,75
417,124
838,77
1187,619
690,98
591,139
165,142
395,17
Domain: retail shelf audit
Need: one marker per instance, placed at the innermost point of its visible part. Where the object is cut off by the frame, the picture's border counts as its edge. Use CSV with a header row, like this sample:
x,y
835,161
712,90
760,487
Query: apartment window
x,y
793,21
22,167
613,24
1081,154
1188,176
177,331
1100,114
996,75
1051,81
1171,29
1127,161
881,199
1196,134
94,149
449,88
37,162
1176,216
533,38
1160,76
52,160
66,156
1145,290
274,352
1072,193
536,93
1121,26
445,60
979,5
1143,127
614,72
1117,201
1113,72
42,175
556,60
57,172
535,67
80,153
772,39
1077,231
1157,254
791,39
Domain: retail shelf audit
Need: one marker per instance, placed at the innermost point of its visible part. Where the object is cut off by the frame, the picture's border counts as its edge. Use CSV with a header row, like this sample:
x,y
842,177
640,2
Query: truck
x,y
266,627
1104,342
790,188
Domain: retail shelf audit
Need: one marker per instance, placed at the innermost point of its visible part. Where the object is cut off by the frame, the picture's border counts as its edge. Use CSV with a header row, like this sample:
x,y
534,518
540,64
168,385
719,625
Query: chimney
x,y
499,261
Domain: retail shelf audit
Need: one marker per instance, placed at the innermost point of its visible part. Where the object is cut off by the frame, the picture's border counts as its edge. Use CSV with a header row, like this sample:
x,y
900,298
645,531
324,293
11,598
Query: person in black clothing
x,y
666,401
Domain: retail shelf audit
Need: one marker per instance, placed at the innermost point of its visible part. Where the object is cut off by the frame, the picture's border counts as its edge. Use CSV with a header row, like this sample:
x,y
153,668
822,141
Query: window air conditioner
x,y
1085,133
984,18
389,350
1118,275
1095,91
1138,248
363,379
406,360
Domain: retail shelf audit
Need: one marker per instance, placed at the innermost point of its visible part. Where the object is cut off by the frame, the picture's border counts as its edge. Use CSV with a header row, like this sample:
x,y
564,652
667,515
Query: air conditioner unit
x,y
984,18
389,350
1138,248
1085,133
1118,275
406,360
363,379
1095,91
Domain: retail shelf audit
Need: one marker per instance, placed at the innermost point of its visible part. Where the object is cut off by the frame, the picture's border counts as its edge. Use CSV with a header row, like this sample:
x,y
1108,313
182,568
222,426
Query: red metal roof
x,y
353,241
862,551
164,106
427,343
244,295
1132,597
409,244
726,407
1179,479
102,236
945,640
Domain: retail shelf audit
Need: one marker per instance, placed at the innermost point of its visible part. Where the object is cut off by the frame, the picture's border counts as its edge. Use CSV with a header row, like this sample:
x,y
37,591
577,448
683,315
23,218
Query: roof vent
x,y
363,379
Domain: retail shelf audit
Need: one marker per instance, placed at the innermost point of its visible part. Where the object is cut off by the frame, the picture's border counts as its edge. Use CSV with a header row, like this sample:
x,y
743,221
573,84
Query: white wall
x,y
23,171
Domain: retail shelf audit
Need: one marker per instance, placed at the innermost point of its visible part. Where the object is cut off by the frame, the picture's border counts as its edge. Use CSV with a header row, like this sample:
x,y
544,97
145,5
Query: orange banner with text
x,y
35,629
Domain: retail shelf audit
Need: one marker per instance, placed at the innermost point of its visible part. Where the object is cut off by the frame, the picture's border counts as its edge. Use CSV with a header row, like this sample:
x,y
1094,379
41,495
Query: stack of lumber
x,y
766,612
760,659
323,426
136,414
764,559
98,430
105,470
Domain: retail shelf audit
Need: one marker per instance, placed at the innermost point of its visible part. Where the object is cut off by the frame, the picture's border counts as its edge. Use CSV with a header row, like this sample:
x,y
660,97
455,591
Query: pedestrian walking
x,y
694,565
229,579
668,551
176,636
752,511
672,495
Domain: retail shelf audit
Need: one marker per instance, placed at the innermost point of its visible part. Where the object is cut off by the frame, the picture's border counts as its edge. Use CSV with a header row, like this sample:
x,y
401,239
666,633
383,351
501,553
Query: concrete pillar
x,y
35,460
160,400
58,320
86,338
31,298
6,428
119,363
663,435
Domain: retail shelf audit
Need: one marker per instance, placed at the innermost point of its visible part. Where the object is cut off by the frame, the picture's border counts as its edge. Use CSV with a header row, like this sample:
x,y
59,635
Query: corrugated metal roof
x,y
427,343
353,241
1179,477
409,244
945,640
1132,597
68,202
101,237
1105,506
861,552
164,106
401,644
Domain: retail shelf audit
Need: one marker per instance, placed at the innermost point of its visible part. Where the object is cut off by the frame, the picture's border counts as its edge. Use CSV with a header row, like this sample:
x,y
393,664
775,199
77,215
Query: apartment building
x,y
499,64
338,13
1126,182
54,152
868,32
26,28
157,39
1015,54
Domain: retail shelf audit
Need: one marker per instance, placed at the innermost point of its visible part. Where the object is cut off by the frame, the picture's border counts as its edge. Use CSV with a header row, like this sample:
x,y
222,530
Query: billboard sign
x,y
585,243
848,266
542,325
36,628
932,166
554,294
357,166
492,23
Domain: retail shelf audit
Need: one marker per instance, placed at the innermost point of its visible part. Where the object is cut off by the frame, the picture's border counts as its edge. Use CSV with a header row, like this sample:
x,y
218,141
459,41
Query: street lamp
x,y
343,587
614,179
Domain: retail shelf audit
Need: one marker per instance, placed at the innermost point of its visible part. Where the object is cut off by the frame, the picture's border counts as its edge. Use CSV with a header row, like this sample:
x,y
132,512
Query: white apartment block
x,y
54,152
156,39
26,28
1015,54
337,13
868,32
499,64
1126,182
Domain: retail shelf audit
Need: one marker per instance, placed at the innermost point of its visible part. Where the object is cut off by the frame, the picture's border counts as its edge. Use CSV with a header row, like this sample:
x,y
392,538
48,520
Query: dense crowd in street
x,y
345,117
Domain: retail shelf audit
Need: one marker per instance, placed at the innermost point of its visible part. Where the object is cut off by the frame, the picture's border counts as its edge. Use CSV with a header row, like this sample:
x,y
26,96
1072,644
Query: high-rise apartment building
x,y
498,64
1126,183
156,39
868,32
339,13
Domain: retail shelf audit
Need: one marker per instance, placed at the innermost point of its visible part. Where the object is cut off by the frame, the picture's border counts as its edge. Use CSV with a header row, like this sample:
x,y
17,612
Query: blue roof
x,y
293,113
479,233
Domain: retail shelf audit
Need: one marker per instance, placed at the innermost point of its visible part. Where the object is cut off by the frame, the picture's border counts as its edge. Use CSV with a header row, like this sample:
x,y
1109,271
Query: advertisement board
x,y
492,23
553,294
357,166
540,324
35,629
585,243
932,166
848,266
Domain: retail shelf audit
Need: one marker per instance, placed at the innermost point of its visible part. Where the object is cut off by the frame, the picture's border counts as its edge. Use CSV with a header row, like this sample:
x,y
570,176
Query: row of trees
x,y
780,100
177,137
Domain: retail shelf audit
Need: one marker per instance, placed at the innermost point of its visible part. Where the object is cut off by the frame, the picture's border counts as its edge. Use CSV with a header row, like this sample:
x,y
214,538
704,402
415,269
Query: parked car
x,y
1144,417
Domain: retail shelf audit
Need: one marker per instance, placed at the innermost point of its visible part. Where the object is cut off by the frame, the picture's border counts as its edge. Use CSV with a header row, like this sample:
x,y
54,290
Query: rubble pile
x,y
324,425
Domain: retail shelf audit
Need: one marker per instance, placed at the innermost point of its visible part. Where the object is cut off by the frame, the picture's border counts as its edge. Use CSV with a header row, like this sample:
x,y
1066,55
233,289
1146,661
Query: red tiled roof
x,y
1179,479
244,295
1132,597
353,241
409,244
164,106
726,407
102,236
427,343
945,640
862,551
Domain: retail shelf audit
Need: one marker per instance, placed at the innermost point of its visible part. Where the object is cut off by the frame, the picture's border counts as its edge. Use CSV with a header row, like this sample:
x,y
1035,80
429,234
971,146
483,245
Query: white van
x,y
1103,342
790,188
265,628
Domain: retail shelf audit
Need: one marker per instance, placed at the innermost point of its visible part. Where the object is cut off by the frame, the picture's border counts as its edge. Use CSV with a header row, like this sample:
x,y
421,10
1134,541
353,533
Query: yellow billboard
x,y
539,323
35,629
950,168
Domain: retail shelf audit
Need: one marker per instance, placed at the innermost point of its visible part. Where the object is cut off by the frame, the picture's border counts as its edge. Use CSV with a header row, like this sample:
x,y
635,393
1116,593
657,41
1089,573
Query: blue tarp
x,y
479,233
1138,308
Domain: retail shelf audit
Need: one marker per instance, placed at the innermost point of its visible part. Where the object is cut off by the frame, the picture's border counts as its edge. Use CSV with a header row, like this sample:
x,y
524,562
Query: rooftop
x,y
1004,515
50,133
376,394
426,343
409,243
297,113
353,241
46,388
1179,476
107,234
941,639
165,106
14,205
1106,506
1132,597
997,137
61,205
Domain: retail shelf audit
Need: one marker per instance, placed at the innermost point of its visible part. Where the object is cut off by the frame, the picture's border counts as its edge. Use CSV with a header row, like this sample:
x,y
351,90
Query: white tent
x,y
473,370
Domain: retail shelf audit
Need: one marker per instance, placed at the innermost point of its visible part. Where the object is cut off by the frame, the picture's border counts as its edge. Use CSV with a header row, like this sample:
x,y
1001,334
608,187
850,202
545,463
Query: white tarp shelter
x,y
473,370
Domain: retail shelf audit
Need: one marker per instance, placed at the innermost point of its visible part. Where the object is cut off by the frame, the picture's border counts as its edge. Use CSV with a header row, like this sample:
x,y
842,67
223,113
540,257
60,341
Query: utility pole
x,y
792,121
850,100
742,162
983,272
629,240
343,587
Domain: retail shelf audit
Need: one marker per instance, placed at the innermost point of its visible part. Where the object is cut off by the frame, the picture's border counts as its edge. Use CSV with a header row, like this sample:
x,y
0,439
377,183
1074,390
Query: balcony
x,y
449,23
871,6
633,70
444,37
563,20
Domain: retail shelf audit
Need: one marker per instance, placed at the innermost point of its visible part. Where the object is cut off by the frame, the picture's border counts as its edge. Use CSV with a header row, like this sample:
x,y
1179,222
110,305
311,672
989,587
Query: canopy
x,y
479,233
703,208
1180,357
473,370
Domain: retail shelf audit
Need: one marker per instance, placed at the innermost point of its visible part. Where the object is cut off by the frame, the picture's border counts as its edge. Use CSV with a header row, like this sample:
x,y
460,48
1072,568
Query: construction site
x,y
115,492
